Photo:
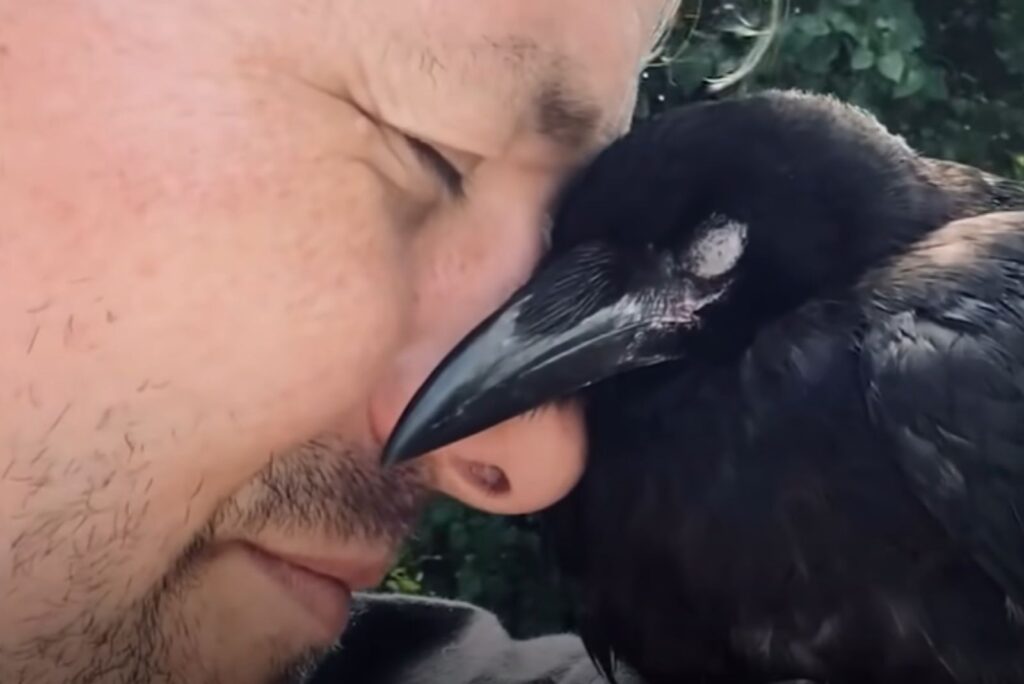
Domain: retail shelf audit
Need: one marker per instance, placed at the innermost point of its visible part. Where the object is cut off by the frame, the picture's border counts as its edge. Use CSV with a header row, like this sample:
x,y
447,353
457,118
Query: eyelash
x,y
448,173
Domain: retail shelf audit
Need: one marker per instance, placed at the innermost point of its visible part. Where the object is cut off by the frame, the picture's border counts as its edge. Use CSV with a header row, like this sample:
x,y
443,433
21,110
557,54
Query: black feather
x,y
830,484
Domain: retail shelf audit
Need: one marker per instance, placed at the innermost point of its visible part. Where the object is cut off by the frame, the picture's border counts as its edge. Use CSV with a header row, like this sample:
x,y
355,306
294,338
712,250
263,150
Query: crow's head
x,y
676,244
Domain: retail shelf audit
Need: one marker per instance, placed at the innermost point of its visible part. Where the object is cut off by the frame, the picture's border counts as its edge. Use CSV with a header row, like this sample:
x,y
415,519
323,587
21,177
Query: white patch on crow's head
x,y
717,249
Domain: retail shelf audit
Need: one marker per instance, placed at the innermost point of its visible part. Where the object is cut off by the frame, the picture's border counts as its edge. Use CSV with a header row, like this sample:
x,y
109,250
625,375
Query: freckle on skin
x,y
110,316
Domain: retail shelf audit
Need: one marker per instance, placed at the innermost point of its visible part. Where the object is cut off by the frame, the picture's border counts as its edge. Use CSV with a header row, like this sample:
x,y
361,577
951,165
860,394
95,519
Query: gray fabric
x,y
406,640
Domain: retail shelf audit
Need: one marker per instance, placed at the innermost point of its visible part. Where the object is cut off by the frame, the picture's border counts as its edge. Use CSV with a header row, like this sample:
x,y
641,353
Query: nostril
x,y
517,467
489,478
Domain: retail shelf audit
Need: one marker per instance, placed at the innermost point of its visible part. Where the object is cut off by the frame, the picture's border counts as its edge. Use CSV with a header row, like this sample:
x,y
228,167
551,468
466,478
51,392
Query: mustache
x,y
331,487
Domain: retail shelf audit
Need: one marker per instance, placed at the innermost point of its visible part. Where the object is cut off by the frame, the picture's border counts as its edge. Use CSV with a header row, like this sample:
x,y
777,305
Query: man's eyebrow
x,y
560,111
564,116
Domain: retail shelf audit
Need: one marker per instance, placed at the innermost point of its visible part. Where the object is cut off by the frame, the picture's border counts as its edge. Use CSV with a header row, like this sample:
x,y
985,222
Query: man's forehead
x,y
570,76
562,71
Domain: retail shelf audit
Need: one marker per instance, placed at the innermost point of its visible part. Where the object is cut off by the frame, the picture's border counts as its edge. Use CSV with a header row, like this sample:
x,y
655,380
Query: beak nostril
x,y
489,478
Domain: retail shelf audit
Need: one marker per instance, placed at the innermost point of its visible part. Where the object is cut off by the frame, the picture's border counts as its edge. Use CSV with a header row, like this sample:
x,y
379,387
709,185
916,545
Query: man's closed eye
x,y
439,165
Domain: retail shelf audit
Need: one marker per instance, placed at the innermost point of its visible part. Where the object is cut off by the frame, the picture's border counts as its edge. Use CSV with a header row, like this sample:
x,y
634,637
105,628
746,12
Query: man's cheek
x,y
274,317
87,545
344,298
205,368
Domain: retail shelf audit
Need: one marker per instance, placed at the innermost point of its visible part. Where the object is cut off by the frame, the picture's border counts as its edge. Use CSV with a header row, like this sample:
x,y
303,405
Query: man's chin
x,y
260,591
216,619
265,589
235,622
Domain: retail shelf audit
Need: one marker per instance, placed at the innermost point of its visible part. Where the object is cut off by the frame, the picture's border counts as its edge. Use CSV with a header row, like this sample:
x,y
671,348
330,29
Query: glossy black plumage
x,y
841,504
806,457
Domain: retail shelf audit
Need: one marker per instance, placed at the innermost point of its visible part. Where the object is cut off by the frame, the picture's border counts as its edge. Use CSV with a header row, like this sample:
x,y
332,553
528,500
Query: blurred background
x,y
948,75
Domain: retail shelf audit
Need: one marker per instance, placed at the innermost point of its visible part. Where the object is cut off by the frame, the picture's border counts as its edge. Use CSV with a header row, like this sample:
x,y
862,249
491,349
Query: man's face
x,y
233,237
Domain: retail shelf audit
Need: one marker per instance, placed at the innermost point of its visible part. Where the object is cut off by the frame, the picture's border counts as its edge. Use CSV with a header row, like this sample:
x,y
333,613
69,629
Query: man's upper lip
x,y
356,574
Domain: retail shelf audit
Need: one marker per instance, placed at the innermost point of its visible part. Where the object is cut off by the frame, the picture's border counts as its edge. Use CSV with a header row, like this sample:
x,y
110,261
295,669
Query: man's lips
x,y
322,586
356,575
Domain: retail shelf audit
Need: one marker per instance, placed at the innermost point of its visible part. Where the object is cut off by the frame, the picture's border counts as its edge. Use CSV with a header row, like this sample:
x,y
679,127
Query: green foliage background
x,y
946,74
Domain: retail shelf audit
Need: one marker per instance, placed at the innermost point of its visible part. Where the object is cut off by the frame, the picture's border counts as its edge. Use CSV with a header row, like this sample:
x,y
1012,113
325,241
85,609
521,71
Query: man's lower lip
x,y
326,599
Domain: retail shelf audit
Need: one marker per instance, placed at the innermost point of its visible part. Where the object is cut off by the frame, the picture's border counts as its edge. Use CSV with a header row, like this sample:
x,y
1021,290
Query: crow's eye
x,y
439,165
717,249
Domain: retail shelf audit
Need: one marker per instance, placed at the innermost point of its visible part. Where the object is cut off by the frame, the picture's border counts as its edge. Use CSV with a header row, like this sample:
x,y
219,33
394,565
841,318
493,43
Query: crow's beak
x,y
582,318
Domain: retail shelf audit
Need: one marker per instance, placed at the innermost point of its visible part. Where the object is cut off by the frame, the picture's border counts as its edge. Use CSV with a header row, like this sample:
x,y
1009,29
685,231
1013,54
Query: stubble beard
x,y
323,487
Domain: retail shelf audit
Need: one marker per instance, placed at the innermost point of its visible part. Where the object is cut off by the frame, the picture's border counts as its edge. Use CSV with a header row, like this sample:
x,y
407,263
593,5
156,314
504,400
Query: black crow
x,y
799,347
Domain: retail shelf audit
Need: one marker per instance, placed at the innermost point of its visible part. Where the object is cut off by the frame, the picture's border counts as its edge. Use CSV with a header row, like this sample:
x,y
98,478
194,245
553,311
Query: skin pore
x,y
234,236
